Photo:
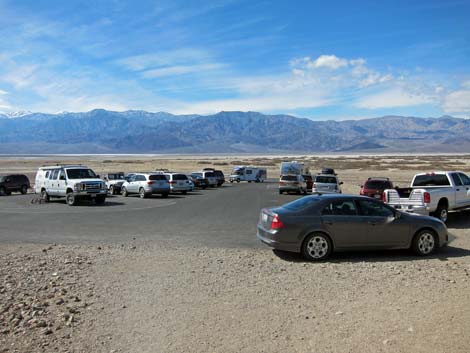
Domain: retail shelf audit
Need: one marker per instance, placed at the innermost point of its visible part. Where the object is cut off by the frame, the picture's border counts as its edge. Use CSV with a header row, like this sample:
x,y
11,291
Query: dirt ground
x,y
161,297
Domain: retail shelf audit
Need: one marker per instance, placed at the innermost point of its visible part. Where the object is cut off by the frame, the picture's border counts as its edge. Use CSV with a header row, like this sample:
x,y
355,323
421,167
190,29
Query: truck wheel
x,y
100,200
124,192
424,242
441,212
111,190
71,199
238,180
45,196
24,190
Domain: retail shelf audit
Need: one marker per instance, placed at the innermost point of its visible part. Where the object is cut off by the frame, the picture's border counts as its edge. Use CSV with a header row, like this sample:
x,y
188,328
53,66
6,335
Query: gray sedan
x,y
317,225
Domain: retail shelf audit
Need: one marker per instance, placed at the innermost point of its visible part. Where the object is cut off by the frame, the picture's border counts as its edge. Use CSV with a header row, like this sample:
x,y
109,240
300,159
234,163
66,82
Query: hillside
x,y
102,131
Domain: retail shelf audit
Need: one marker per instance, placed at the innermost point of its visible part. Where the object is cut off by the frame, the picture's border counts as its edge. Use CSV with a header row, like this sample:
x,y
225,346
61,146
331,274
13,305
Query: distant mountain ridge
x,y
136,131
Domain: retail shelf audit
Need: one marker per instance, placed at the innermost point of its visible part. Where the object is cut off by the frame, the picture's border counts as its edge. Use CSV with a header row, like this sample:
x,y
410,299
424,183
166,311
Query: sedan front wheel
x,y
316,247
425,242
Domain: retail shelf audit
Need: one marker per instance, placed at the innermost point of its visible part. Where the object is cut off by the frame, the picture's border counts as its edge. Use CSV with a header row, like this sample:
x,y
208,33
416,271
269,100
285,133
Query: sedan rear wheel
x,y
316,247
124,192
142,193
24,190
424,243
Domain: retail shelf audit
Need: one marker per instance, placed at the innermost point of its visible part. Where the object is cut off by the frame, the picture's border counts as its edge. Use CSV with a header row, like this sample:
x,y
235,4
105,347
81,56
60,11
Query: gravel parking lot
x,y
187,274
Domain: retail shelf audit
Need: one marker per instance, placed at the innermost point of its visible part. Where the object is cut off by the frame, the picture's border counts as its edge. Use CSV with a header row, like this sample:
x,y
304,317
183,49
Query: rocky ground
x,y
148,297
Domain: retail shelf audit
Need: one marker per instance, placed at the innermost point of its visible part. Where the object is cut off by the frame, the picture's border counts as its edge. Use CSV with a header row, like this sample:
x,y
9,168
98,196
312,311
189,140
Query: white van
x,y
74,182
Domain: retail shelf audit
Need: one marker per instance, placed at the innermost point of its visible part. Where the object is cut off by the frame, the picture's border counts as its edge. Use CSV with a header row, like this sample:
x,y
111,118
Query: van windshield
x,y
81,174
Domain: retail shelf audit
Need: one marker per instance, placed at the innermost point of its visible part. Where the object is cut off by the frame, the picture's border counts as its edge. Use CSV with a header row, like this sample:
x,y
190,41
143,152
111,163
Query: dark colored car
x,y
328,171
219,175
14,183
309,180
199,181
317,225
374,187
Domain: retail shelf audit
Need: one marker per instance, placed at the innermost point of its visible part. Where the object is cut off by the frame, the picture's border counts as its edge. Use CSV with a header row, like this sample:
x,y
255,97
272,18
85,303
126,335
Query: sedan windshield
x,y
81,174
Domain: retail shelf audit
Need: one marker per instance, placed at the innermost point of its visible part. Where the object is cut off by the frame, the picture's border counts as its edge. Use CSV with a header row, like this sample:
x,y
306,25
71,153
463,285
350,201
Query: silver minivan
x,y
145,184
211,177
179,182
326,183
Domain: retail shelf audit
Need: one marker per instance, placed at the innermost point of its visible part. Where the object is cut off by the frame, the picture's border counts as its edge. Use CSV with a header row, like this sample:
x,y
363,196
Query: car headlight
x,y
76,187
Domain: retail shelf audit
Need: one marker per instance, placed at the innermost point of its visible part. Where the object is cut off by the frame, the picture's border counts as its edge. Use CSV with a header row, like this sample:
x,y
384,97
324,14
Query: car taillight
x,y
276,222
384,197
281,183
427,197
172,182
150,182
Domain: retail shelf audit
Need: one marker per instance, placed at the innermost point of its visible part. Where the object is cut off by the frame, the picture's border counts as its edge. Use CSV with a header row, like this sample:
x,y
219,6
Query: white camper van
x,y
249,174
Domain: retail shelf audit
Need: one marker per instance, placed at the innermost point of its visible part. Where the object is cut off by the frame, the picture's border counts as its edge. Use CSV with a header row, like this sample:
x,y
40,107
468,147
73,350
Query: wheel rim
x,y
426,243
124,191
443,215
111,190
70,199
142,193
317,247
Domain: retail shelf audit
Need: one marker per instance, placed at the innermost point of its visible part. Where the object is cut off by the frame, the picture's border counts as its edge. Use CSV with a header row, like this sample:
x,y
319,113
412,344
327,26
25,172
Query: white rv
x,y
249,174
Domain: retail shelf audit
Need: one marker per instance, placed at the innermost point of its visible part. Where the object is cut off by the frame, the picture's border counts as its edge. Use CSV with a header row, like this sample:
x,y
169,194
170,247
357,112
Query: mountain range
x,y
103,131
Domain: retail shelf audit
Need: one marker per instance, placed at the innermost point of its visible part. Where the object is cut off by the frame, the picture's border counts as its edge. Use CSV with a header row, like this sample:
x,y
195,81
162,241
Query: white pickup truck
x,y
433,194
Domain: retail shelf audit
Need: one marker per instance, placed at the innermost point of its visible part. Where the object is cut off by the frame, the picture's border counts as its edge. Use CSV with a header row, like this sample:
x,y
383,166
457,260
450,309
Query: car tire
x,y
280,192
238,180
165,195
184,192
124,192
24,190
442,212
424,242
3,192
45,196
71,199
111,190
142,193
100,200
316,247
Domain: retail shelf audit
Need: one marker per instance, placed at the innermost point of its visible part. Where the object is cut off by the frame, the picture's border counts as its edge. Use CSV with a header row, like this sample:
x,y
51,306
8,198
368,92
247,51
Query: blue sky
x,y
322,60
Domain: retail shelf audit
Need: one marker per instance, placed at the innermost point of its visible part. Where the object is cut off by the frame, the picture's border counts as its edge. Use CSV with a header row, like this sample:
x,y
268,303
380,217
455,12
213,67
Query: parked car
x,y
219,175
292,183
309,180
433,194
179,182
318,225
145,185
328,171
326,183
374,187
114,182
199,181
210,176
14,183
74,182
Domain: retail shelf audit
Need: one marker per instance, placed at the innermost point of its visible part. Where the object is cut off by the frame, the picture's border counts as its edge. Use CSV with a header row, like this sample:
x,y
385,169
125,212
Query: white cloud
x,y
466,84
457,102
393,98
179,70
2,92
329,61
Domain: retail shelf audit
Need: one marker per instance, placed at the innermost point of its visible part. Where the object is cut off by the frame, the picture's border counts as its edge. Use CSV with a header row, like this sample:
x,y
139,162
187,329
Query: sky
x,y
316,59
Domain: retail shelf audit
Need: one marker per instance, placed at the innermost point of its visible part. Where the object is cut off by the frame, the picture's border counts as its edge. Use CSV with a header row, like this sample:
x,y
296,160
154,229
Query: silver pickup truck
x,y
433,194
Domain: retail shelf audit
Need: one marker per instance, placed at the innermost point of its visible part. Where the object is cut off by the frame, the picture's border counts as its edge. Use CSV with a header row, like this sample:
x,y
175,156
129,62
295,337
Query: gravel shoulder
x,y
154,297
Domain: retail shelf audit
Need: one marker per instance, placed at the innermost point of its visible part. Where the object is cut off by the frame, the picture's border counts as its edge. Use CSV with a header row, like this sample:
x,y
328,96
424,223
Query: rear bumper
x,y
270,240
290,187
181,188
422,210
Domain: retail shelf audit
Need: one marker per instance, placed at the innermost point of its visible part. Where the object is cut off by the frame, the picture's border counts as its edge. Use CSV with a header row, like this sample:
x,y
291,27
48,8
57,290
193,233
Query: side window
x,y
340,208
61,174
53,174
456,179
374,209
141,178
465,179
47,175
249,171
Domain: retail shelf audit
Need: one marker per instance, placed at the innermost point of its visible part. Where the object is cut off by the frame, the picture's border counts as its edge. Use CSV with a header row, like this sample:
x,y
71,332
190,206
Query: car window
x,y
81,174
377,184
465,179
140,178
55,174
61,172
179,177
456,179
210,175
340,208
325,179
157,177
302,203
374,209
289,178
431,180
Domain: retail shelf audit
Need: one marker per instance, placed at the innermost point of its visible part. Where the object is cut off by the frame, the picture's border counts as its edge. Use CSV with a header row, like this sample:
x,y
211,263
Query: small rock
x,y
339,313
47,331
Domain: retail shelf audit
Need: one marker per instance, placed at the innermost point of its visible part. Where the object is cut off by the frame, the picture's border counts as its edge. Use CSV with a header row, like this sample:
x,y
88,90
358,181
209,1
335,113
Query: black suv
x,y
14,182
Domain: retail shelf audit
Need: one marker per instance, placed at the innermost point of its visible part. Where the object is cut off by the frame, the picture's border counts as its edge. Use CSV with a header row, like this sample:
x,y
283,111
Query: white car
x,y
179,182
114,182
326,184
145,184
72,182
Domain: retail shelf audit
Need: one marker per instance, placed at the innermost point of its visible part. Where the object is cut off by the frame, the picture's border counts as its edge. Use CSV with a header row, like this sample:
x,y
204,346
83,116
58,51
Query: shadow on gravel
x,y
442,254
86,203
459,220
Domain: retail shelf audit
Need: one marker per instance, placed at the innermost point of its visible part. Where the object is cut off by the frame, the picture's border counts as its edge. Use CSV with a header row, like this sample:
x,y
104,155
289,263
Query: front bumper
x,y
90,194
